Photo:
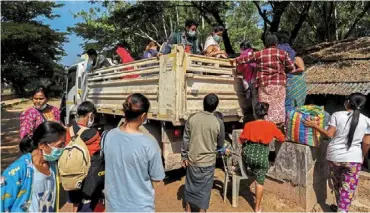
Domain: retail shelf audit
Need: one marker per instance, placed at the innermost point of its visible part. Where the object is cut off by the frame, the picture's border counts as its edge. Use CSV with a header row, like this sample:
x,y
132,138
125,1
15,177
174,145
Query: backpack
x,y
74,163
95,178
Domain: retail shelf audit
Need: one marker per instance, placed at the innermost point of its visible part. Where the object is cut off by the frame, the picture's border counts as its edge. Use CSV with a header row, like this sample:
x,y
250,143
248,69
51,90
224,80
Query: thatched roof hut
x,y
338,68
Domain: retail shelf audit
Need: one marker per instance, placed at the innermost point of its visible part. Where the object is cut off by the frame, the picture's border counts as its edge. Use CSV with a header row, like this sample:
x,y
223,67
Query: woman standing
x,y
40,112
296,84
133,163
346,152
30,184
272,64
212,45
255,138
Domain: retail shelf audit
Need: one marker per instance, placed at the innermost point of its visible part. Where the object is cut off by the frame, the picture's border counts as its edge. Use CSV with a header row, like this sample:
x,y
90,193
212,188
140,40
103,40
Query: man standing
x,y
204,134
188,38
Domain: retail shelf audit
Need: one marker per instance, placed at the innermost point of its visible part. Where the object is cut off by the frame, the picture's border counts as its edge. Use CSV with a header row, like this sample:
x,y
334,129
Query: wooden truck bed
x,y
175,85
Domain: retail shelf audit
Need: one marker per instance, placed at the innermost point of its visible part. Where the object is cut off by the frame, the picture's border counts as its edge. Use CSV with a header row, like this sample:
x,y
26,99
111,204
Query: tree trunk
x,y
278,10
300,22
225,36
358,18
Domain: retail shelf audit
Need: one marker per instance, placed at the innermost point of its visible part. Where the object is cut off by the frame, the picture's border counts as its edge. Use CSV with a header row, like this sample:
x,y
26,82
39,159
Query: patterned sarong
x,y
274,95
296,91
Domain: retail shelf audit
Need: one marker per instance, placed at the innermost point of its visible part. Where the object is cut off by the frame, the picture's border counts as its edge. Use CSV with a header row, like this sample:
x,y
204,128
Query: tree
x,y
242,21
30,50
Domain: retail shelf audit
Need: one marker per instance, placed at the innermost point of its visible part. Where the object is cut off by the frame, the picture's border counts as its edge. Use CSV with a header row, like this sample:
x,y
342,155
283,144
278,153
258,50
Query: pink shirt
x,y
31,119
248,69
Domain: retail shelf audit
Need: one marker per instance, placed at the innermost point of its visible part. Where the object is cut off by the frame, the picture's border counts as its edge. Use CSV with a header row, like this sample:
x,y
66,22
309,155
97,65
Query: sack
x,y
295,129
95,177
74,163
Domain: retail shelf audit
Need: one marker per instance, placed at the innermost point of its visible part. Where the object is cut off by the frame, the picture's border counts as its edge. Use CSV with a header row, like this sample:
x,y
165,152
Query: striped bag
x,y
297,132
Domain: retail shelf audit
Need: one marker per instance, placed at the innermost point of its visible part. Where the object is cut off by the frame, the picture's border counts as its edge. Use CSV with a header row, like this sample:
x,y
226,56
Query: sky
x,y
73,46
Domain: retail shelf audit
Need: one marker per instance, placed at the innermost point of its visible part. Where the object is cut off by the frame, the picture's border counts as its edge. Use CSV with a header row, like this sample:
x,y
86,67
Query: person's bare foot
x,y
258,210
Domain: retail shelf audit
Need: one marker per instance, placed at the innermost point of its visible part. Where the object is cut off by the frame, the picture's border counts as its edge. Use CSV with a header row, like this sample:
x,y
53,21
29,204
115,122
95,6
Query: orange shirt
x,y
261,131
91,138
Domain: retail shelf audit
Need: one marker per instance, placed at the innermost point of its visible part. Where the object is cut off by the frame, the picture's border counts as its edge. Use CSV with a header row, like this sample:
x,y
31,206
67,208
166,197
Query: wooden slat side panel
x,y
231,95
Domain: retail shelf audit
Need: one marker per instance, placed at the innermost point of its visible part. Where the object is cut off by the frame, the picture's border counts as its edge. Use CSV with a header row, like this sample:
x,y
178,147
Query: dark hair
x,y
86,107
135,105
42,90
189,23
219,115
355,101
47,132
210,102
91,52
218,28
283,37
261,109
271,40
245,45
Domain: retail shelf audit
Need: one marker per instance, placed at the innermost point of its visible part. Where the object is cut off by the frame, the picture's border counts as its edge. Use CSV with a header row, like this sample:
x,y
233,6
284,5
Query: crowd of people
x,y
132,161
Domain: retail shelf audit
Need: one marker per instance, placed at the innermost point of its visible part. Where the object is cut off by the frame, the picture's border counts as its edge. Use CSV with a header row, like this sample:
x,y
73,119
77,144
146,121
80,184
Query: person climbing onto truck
x,y
86,113
349,131
272,65
98,61
188,37
212,45
133,163
296,89
255,138
204,133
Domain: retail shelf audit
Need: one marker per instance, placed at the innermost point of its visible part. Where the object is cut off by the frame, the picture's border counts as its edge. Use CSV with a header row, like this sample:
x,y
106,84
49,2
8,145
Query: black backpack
x,y
95,177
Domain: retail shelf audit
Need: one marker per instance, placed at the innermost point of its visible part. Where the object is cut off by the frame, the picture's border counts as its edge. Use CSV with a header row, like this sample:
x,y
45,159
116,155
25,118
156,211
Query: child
x,y
255,138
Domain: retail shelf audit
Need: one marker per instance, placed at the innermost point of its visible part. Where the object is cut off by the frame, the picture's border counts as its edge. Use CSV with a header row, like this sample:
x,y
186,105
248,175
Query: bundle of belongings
x,y
297,132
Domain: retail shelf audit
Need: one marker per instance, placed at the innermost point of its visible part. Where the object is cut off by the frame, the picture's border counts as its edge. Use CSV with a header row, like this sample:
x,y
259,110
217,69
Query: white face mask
x,y
90,122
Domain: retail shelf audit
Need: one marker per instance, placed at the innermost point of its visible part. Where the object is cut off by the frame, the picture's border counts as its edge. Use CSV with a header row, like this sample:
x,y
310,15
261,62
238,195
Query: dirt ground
x,y
169,195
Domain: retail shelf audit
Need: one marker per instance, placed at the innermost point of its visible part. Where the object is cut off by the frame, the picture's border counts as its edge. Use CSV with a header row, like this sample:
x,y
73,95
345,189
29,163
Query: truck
x,y
175,85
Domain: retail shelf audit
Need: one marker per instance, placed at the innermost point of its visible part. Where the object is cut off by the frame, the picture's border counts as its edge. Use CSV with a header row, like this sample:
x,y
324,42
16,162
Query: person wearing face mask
x,y
188,37
212,45
133,162
39,113
30,184
349,132
86,113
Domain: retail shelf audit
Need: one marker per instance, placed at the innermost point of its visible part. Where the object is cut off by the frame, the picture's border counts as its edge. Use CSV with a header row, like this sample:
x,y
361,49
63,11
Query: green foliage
x,y
241,22
139,22
30,50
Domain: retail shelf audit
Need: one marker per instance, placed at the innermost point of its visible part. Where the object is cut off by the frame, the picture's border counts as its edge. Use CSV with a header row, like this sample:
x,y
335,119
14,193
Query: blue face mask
x,y
54,154
217,38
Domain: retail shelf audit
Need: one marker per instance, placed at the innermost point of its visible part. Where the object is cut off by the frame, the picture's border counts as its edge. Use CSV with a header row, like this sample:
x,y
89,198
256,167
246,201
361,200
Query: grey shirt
x,y
204,133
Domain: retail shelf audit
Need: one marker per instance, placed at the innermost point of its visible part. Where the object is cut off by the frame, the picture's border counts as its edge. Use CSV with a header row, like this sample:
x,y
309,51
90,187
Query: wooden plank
x,y
117,97
119,74
123,82
213,78
125,92
208,59
126,65
204,70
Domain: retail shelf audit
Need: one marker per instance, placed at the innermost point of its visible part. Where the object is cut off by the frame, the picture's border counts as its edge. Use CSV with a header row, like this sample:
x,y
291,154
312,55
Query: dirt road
x,y
168,197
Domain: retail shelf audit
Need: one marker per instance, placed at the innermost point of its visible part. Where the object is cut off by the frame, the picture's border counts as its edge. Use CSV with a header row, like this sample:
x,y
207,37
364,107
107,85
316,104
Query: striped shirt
x,y
272,65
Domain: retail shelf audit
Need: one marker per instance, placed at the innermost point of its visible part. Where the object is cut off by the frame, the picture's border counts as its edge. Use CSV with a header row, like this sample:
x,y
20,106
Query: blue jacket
x,y
16,185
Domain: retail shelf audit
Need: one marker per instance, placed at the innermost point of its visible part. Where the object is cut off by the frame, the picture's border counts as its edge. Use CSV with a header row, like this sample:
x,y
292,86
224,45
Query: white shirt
x,y
337,148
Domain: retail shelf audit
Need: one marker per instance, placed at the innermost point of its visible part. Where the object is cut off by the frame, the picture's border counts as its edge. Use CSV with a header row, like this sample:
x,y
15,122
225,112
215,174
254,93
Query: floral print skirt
x,y
345,180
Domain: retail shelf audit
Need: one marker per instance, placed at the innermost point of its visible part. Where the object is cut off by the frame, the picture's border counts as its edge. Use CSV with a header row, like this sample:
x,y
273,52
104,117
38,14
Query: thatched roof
x,y
338,67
